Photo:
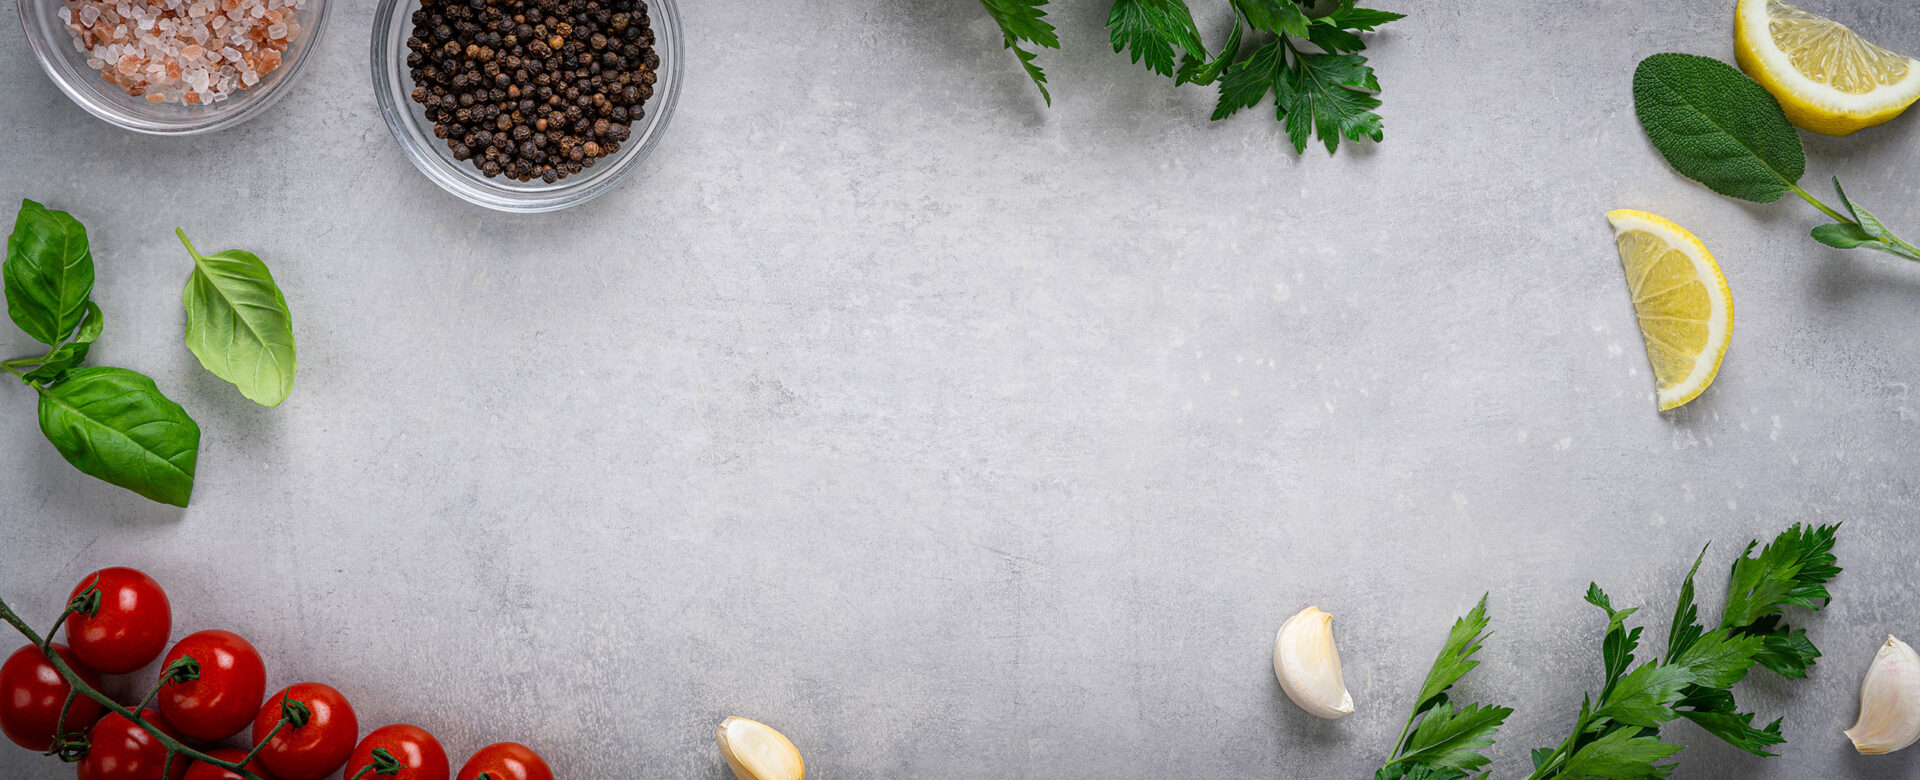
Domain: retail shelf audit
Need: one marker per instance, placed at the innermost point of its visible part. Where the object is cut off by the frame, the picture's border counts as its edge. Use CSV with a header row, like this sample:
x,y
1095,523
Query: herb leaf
x,y
1329,95
48,272
1151,29
1718,127
62,359
115,425
238,324
1200,70
1025,21
1455,659
1447,739
1791,571
1622,754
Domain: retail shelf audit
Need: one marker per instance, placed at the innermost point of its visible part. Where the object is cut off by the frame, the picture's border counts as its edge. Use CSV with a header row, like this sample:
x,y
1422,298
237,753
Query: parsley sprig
x,y
1617,734
1305,54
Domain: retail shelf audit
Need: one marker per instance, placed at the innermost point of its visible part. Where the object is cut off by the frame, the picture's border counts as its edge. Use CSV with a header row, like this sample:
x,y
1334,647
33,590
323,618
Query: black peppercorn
x,y
532,89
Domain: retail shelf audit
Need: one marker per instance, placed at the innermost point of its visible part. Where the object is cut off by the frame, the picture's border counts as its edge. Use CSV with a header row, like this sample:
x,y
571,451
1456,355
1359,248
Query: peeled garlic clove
x,y
756,752
1308,665
1889,701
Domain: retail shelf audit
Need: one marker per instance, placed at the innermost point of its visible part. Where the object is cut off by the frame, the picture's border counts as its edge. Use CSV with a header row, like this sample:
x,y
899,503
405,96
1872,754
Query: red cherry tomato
x,y
418,752
32,692
316,749
225,698
506,761
201,771
122,750
131,627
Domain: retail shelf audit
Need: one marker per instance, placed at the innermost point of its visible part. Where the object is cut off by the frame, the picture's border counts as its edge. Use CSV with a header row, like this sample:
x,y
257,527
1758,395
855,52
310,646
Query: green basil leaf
x,y
1717,127
65,357
114,424
238,324
48,272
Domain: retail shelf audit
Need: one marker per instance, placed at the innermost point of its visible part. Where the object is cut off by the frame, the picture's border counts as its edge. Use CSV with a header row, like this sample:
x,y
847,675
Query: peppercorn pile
x,y
532,89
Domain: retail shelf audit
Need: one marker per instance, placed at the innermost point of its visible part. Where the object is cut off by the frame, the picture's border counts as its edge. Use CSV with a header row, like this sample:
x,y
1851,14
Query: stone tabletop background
x,y
961,437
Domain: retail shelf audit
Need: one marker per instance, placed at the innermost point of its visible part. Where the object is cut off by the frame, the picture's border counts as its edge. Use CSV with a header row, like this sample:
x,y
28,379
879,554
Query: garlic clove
x,y
1308,665
756,752
1889,701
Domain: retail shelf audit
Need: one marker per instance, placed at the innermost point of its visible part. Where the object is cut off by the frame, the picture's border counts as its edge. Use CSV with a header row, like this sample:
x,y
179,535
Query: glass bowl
x,y
393,88
53,45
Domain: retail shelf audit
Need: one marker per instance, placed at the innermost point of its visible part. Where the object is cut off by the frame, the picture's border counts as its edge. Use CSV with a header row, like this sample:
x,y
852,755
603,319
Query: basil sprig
x,y
111,423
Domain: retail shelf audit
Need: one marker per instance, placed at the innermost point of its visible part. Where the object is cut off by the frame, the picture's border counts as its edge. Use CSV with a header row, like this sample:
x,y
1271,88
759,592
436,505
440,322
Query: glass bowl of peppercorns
x,y
526,105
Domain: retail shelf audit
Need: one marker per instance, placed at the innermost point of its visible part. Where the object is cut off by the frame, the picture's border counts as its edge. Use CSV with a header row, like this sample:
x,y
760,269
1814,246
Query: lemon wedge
x,y
1685,308
1827,78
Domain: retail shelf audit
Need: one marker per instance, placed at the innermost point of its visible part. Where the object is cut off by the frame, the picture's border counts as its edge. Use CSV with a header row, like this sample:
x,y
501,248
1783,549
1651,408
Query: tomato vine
x,y
73,747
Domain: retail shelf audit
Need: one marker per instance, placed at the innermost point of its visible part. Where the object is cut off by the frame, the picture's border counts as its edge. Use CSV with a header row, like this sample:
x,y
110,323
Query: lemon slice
x,y
1685,308
1827,78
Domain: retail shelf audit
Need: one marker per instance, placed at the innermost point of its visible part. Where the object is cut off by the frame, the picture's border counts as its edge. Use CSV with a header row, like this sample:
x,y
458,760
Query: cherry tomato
x,y
123,750
506,761
201,771
131,628
416,750
32,692
225,698
316,749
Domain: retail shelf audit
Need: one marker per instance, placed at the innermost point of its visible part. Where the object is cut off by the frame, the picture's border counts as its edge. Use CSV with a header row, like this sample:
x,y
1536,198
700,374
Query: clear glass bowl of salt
x,y
173,67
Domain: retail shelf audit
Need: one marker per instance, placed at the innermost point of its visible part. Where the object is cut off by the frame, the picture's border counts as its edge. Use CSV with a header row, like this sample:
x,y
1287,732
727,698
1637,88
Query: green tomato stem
x,y
251,754
174,746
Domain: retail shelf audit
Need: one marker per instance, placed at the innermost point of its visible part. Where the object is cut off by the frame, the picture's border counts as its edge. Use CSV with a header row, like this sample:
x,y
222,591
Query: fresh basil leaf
x,y
65,357
114,424
238,324
48,272
1717,127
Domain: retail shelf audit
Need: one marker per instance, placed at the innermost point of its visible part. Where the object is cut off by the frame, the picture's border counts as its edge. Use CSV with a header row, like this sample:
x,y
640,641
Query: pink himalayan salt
x,y
164,51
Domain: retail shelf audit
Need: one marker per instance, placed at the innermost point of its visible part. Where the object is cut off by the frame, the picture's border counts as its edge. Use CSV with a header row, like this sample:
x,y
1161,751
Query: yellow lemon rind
x,y
1720,322
1811,105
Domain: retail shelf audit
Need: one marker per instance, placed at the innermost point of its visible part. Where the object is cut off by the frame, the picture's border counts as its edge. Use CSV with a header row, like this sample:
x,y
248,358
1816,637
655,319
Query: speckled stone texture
x,y
960,437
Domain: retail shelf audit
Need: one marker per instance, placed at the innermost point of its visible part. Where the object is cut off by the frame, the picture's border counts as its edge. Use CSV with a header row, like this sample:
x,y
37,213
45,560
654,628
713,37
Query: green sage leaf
x,y
48,272
1717,127
238,324
114,424
65,357
1844,235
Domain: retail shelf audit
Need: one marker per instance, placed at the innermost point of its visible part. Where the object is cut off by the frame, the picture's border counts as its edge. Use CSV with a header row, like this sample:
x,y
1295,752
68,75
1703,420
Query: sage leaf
x,y
48,272
113,424
1845,235
1718,127
54,367
238,324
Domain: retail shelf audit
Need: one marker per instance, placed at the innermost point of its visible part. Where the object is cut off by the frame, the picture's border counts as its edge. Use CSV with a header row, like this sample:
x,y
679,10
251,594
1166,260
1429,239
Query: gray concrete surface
x,y
963,438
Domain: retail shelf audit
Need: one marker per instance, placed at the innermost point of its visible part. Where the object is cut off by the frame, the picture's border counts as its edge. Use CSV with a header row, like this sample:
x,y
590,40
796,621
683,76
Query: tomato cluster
x,y
306,731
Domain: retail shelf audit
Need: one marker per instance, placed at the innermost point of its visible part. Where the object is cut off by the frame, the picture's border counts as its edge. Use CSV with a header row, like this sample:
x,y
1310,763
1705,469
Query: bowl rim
x,y
394,101
212,120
